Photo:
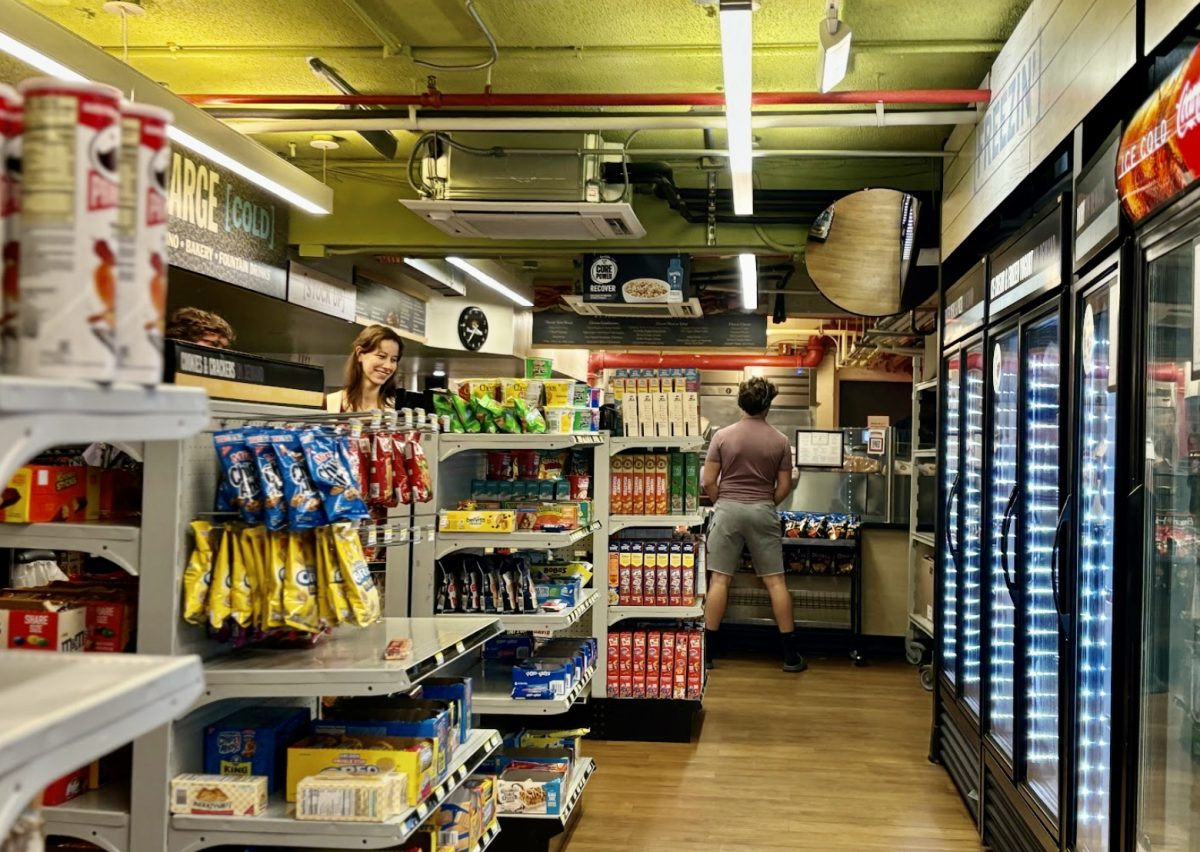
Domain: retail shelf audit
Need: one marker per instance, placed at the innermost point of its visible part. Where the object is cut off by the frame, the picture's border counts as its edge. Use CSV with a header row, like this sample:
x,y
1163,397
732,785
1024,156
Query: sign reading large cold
x,y
636,278
222,226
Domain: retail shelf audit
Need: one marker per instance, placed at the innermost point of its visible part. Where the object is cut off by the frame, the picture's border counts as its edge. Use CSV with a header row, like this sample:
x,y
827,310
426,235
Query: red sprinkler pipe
x,y
811,359
434,99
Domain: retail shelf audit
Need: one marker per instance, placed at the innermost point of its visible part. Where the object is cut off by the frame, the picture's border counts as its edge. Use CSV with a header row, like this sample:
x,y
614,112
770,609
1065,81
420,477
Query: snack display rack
x,y
60,711
120,544
919,637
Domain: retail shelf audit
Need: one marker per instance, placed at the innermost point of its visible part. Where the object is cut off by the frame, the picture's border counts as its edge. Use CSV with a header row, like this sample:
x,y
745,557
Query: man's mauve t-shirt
x,y
752,453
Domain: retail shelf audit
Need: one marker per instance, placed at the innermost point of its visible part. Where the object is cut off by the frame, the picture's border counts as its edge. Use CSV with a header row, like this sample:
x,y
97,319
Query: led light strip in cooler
x,y
950,571
1003,640
970,631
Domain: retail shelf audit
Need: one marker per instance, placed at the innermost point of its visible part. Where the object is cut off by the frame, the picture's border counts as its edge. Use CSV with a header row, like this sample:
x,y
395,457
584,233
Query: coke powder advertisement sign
x,y
1159,155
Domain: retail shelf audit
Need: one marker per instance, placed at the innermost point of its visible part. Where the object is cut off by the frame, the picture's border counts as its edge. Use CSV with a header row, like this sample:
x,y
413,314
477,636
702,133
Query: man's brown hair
x,y
192,324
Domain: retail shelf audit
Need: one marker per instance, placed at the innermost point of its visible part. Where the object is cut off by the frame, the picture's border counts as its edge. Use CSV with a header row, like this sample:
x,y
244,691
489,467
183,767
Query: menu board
x,y
383,305
1029,264
733,331
966,301
1097,208
818,448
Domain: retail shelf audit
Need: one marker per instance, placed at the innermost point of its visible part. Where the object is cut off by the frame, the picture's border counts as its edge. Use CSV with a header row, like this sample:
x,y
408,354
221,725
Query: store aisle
x,y
833,759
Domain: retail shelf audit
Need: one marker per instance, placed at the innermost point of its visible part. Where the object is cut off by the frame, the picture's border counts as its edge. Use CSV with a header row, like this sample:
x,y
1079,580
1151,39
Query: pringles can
x,y
10,223
142,243
71,149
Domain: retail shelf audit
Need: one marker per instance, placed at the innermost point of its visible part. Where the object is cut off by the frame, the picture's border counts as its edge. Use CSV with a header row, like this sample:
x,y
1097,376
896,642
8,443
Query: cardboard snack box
x,y
485,787
653,661
395,717
254,741
43,624
219,795
477,522
675,484
637,502
691,483
637,574
458,691
413,757
612,664
47,493
531,791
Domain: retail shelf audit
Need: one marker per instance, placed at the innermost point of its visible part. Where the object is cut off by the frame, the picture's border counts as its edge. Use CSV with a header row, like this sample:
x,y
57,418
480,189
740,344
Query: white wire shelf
x,y
350,662
449,542
278,827
619,613
928,384
926,453
925,625
579,778
925,538
61,711
687,443
36,414
118,543
451,443
620,522
494,694
98,816
539,620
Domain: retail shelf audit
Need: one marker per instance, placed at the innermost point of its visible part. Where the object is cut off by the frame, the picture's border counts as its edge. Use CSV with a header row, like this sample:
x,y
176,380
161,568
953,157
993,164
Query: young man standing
x,y
747,474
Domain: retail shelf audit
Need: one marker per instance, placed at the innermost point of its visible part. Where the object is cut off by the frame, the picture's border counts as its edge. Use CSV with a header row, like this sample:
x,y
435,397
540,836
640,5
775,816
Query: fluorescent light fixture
x,y
438,373
488,281
23,52
833,48
736,46
748,267
435,272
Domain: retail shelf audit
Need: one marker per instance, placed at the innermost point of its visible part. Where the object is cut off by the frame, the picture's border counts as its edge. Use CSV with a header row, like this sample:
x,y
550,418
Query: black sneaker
x,y
792,659
710,648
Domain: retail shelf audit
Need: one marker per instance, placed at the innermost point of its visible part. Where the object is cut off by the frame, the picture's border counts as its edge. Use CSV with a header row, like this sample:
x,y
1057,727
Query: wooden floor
x,y
831,759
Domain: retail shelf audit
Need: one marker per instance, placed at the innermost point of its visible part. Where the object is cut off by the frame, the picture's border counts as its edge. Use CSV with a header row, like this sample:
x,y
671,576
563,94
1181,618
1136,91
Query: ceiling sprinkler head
x,y
324,142
124,7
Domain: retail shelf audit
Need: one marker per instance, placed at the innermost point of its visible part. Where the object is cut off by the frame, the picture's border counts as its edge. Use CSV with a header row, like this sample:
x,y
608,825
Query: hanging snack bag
x,y
402,486
352,440
327,465
361,593
330,579
270,478
274,571
381,485
254,554
300,583
239,490
220,599
303,502
197,577
418,469
241,593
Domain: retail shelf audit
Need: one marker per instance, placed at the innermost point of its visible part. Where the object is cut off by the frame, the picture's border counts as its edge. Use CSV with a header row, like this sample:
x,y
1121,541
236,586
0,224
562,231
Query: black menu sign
x,y
966,299
383,305
226,374
223,226
734,331
1028,265
1097,207
636,278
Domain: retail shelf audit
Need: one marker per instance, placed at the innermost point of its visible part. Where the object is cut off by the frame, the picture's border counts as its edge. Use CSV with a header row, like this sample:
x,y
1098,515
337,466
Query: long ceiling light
x,y
736,46
833,48
48,65
488,281
748,267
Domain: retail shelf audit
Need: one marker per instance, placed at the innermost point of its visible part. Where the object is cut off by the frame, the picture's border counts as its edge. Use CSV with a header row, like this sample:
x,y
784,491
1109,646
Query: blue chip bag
x,y
304,510
329,466
239,490
270,478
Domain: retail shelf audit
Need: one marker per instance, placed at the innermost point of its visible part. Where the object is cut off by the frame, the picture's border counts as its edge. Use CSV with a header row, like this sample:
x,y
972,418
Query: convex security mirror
x,y
860,250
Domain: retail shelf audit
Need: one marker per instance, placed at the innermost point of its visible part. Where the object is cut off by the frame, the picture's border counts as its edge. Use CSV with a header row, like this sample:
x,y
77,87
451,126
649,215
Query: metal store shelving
x,y
118,543
620,522
920,632
61,711
98,816
447,543
552,621
579,778
495,696
689,443
619,613
451,444
278,826
925,538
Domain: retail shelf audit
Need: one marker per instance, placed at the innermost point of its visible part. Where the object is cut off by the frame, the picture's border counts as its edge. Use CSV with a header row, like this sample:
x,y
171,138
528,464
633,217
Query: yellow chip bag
x,y
198,575
361,593
274,570
332,592
220,592
300,583
241,595
254,555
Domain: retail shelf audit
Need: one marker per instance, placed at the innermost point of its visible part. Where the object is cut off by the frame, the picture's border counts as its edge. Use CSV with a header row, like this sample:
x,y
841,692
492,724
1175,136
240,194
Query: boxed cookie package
x,y
219,795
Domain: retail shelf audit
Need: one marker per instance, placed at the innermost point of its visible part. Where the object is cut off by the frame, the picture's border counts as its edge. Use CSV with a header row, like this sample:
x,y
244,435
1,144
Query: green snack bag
x,y
483,417
508,421
469,423
531,418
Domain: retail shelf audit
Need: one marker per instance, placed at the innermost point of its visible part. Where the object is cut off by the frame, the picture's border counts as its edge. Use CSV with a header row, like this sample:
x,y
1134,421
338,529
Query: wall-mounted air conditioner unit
x,y
530,220
683,310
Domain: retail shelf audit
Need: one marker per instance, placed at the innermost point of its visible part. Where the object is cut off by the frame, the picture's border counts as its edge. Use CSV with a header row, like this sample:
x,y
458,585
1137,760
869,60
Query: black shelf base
x,y
652,720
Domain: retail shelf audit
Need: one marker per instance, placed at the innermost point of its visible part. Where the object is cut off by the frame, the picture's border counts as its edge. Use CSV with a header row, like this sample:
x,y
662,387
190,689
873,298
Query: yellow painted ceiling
x,y
260,46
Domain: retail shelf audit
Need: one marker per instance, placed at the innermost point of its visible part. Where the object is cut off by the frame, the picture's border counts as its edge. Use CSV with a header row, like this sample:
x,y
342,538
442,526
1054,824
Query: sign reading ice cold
x,y
224,227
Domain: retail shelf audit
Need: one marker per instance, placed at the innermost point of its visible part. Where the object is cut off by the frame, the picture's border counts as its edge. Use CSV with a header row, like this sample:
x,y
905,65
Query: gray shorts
x,y
755,525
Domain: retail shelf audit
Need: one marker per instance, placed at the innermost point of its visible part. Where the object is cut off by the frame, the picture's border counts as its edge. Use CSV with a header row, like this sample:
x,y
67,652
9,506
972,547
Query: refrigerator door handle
x,y
949,503
1008,516
1063,517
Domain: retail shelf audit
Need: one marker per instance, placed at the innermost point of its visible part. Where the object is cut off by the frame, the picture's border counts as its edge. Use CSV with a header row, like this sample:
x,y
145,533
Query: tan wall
x,y
885,582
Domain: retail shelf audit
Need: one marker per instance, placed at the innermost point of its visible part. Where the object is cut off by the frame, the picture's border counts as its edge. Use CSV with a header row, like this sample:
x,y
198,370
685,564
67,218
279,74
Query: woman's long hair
x,y
368,340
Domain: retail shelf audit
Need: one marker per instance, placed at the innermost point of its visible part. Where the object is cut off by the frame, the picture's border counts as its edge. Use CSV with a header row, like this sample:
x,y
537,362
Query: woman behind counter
x,y
371,372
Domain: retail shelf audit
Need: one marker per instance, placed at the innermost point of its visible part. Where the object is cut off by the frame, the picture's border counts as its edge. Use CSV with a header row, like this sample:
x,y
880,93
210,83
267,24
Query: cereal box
x,y
691,482
681,665
219,795
695,678
687,573
638,503
661,484
638,589
626,686
675,409
662,415
629,415
613,664
639,664
653,660
646,414
625,580
626,658
691,413
662,574
675,484
614,573
666,664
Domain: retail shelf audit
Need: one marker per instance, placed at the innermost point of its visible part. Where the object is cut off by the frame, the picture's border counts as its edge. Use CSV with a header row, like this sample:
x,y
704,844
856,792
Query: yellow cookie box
x,y
478,521
413,757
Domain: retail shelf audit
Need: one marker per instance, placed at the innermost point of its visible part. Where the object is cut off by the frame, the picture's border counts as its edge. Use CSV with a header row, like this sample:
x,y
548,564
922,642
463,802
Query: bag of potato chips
x,y
270,478
300,583
197,577
331,583
254,554
361,592
220,600
328,465
303,502
274,571
241,593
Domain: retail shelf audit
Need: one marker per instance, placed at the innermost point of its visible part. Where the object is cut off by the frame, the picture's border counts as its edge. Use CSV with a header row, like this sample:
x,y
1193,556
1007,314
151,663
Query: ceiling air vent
x,y
530,220
683,310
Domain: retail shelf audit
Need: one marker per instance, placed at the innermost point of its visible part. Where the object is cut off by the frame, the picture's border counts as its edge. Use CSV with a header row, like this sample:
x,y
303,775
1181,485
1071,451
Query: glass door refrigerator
x,y
958,691
1027,534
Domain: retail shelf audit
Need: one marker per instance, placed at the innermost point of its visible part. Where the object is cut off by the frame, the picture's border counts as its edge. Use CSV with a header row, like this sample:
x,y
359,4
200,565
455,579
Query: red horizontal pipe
x,y
598,361
434,99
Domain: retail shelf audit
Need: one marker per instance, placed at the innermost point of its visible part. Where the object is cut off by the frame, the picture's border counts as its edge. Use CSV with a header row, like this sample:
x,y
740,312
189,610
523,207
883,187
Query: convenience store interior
x,y
960,240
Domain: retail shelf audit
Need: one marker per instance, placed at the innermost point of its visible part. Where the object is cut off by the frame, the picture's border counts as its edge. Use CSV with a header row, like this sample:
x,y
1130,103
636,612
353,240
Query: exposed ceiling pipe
x,y
381,140
435,99
338,121
552,53
598,361
695,153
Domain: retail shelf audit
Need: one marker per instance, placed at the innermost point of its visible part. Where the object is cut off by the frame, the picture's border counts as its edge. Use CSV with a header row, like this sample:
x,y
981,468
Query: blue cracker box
x,y
254,741
542,679
585,649
455,690
509,648
569,591
411,724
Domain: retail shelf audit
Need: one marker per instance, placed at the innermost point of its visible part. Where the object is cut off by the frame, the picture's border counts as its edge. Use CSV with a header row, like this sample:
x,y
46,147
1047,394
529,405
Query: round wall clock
x,y
472,328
